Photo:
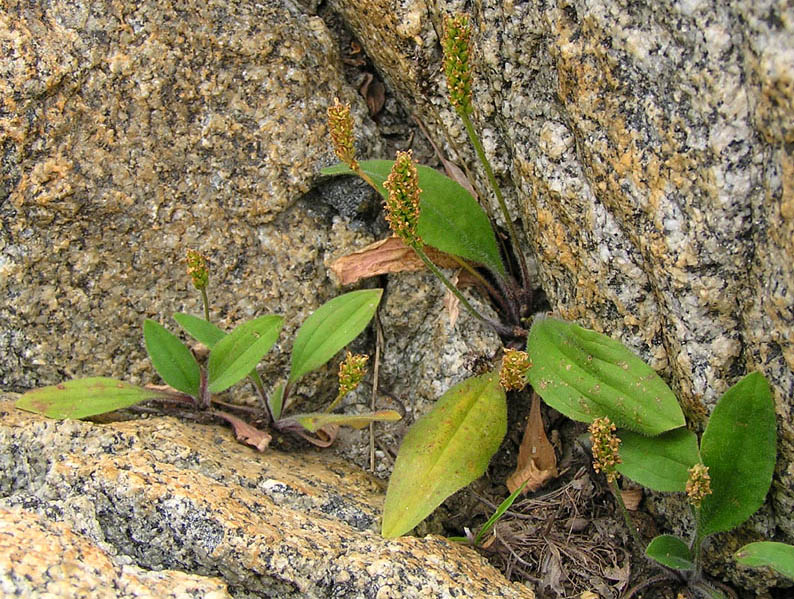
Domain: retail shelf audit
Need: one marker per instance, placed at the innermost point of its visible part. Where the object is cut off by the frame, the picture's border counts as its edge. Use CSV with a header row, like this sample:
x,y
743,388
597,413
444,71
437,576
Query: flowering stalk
x,y
457,50
340,126
402,214
198,269
351,371
698,486
606,459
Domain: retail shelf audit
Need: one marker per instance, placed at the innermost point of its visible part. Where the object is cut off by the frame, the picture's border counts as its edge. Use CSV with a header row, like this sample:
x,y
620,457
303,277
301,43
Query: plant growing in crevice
x,y
426,209
725,479
232,357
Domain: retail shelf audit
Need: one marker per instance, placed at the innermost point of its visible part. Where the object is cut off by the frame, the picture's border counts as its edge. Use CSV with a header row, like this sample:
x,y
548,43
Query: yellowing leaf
x,y
445,450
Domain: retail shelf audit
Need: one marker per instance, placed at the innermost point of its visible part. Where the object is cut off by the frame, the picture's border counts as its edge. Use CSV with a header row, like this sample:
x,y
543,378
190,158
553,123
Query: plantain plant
x,y
726,476
232,358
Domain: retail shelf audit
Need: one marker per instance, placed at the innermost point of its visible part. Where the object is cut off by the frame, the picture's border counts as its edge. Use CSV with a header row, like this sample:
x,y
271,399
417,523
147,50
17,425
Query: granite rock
x,y
646,148
161,503
131,132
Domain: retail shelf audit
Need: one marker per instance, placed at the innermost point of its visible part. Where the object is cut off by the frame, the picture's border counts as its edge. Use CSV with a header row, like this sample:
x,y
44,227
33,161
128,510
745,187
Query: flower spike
x,y
402,204
513,376
198,269
340,125
699,484
457,49
605,448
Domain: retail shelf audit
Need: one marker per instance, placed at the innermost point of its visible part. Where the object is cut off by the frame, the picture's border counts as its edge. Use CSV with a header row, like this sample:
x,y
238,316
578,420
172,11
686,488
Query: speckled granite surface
x,y
159,503
647,148
132,131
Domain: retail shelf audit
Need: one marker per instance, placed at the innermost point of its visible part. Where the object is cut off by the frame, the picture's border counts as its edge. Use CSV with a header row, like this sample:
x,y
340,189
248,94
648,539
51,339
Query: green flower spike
x,y
457,49
605,448
351,372
402,205
340,125
198,269
513,376
699,484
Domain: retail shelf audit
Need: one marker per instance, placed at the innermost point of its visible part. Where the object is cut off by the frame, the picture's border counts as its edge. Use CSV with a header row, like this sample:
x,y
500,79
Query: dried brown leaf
x,y
323,437
537,462
451,302
244,432
383,257
374,93
631,498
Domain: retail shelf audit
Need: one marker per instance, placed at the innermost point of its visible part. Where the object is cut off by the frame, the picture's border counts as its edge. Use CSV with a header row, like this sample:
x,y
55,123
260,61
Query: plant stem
x,y
497,326
626,516
260,390
205,300
697,544
475,140
334,403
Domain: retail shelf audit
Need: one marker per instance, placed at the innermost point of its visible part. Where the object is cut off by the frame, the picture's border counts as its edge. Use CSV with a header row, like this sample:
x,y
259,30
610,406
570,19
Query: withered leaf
x,y
537,462
244,432
323,437
374,93
451,302
383,257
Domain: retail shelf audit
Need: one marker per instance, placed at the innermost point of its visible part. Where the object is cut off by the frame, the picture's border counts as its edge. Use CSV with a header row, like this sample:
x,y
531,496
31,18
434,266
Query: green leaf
x,y
82,398
171,359
332,326
444,451
660,463
201,330
670,551
450,219
234,356
739,448
779,556
276,401
314,421
586,375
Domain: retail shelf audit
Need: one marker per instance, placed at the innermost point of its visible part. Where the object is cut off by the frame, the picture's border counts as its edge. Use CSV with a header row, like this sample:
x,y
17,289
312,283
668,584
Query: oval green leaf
x,y
739,447
314,421
201,330
332,326
778,556
171,359
82,398
233,357
586,375
450,219
444,451
659,463
670,551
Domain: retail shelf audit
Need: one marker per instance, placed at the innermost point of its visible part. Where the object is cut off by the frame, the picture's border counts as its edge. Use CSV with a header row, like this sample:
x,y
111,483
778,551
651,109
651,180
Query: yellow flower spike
x,y
605,448
351,371
699,484
402,204
513,376
198,269
340,125
457,49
